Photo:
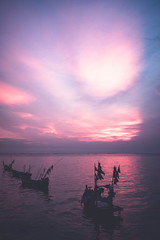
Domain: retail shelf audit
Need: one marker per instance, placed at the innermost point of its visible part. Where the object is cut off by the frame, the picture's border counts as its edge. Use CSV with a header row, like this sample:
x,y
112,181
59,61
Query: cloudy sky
x,y
80,76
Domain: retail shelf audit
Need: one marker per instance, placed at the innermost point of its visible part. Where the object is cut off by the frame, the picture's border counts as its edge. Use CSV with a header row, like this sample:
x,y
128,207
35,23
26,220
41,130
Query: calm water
x,y
29,214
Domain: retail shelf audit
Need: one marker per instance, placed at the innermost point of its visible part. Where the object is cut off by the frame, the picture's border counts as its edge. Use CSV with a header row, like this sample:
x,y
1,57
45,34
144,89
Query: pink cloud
x,y
11,95
46,129
122,124
26,115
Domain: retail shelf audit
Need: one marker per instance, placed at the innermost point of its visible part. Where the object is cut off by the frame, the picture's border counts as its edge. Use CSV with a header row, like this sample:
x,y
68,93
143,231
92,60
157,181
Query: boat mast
x,y
95,184
113,179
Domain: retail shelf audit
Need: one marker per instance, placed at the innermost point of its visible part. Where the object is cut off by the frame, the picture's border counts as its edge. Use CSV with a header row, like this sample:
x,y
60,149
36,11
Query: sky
x,y
80,76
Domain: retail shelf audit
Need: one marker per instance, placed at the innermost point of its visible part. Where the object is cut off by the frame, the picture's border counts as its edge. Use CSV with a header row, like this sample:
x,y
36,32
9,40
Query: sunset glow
x,y
109,67
76,72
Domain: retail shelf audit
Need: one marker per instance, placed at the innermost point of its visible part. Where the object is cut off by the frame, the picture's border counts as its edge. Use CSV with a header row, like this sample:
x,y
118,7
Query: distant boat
x,y
15,173
41,183
20,174
94,200
8,168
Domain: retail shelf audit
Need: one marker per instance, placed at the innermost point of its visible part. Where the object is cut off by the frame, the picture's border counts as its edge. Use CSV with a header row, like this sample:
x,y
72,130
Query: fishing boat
x,y
8,168
21,174
41,183
95,199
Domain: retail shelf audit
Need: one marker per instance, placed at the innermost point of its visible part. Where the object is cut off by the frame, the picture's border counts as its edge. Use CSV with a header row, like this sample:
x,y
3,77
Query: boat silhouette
x,y
94,199
41,183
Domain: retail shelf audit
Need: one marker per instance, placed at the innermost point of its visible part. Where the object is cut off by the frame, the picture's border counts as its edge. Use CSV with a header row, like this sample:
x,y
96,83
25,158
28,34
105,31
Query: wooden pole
x,y
95,185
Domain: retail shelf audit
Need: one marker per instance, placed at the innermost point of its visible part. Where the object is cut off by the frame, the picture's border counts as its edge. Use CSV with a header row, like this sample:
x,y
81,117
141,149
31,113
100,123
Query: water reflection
x,y
131,184
44,194
103,223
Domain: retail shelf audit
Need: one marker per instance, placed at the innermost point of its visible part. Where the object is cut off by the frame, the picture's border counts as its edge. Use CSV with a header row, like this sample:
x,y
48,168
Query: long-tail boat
x,y
95,200
21,174
16,173
41,183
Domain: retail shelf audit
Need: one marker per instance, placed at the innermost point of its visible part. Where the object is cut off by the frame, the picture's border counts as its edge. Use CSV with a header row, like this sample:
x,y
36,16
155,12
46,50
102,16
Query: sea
x,y
28,214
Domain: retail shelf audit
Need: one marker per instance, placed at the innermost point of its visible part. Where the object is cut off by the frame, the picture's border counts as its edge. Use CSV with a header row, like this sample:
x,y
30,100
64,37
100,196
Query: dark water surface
x,y
27,214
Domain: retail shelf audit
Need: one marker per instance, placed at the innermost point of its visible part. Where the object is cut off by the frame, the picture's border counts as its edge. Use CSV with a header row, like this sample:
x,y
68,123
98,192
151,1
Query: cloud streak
x,y
11,95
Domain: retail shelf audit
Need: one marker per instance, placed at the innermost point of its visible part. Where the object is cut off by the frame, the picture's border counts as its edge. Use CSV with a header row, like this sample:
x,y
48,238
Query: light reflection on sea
x,y
29,214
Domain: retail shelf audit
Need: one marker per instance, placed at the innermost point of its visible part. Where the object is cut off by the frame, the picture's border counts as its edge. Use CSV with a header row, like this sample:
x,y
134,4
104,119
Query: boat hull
x,y
102,205
36,184
19,174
